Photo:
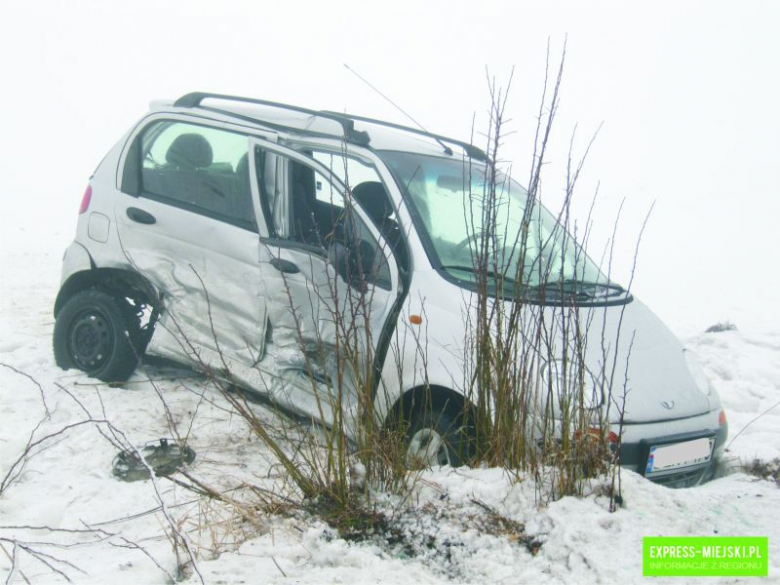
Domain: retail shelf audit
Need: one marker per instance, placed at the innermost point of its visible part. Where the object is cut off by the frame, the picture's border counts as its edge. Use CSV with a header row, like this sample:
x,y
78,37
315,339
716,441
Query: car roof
x,y
287,119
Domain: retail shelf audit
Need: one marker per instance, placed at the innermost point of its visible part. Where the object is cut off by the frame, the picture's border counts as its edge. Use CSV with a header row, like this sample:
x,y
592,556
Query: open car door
x,y
330,279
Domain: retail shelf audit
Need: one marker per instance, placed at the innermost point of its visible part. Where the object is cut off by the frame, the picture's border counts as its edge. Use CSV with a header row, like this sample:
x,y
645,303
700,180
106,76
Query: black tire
x,y
91,334
443,432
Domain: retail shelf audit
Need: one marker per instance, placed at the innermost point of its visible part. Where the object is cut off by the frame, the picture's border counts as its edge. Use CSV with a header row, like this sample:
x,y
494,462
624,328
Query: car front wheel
x,y
91,334
438,436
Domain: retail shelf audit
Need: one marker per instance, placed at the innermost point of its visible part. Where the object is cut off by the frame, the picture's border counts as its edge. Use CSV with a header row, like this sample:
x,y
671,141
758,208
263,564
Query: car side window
x,y
369,192
316,216
349,170
198,168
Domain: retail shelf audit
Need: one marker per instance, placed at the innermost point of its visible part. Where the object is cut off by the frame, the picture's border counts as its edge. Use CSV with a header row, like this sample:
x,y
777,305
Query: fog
x,y
685,97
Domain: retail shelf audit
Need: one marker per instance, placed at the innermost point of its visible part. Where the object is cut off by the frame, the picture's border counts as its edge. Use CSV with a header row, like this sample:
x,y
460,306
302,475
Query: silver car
x,y
208,235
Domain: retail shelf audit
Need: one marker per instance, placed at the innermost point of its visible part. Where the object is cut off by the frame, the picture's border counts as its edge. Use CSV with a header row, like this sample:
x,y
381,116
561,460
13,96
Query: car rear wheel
x,y
91,333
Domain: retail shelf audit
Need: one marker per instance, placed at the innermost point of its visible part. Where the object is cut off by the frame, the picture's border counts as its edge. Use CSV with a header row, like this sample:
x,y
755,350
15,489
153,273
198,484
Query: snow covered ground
x,y
67,504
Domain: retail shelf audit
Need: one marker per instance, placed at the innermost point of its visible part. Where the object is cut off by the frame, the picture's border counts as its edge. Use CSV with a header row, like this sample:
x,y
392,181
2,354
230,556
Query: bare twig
x,y
34,381
743,429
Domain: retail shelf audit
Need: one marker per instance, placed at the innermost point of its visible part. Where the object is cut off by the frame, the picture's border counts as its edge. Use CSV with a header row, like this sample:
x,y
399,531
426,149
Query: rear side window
x,y
201,169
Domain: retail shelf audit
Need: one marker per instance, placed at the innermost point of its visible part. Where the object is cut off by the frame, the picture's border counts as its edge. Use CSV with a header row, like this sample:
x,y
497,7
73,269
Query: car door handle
x,y
284,266
140,216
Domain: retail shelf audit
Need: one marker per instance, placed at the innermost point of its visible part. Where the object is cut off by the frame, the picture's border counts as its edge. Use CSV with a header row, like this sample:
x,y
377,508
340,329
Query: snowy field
x,y
67,501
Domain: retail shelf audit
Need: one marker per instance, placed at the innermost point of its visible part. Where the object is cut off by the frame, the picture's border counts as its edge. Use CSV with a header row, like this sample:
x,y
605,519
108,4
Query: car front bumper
x,y
638,438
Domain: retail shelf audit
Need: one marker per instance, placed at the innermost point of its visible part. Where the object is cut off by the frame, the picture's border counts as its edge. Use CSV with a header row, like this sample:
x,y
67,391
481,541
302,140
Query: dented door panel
x,y
188,223
206,272
312,310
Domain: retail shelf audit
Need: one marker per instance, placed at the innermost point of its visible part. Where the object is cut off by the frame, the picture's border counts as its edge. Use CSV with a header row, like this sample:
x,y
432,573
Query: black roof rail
x,y
193,100
471,150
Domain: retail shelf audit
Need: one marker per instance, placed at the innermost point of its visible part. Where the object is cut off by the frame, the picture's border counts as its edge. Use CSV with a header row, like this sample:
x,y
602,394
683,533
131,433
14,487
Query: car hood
x,y
625,345
650,377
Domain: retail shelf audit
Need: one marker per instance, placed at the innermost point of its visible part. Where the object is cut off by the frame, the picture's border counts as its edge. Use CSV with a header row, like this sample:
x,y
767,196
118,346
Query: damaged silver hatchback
x,y
234,234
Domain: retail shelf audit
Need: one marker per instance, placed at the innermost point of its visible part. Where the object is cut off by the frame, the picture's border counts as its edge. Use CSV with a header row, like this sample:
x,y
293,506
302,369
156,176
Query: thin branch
x,y
734,438
34,381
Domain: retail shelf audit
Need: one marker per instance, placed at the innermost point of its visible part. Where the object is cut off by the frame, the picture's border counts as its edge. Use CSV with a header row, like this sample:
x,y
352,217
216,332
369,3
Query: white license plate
x,y
679,455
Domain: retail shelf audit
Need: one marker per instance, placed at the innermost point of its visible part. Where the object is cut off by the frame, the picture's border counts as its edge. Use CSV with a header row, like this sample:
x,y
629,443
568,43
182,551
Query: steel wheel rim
x,y
427,448
91,340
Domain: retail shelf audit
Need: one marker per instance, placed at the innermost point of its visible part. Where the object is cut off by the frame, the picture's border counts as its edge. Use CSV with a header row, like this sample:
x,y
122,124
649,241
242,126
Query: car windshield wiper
x,y
473,270
581,290
577,288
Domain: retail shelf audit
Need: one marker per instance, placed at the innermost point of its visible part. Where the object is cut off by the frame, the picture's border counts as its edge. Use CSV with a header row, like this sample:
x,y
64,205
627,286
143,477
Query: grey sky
x,y
688,94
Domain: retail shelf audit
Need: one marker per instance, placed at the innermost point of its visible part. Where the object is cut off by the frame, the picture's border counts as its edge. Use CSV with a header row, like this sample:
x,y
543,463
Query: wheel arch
x,y
438,397
114,281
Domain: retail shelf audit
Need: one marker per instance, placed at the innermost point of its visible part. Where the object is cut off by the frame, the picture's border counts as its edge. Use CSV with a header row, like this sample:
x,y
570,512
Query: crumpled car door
x,y
204,267
314,308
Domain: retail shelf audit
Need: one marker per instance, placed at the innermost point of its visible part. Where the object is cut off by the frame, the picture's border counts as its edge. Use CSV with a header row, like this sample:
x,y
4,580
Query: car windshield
x,y
470,229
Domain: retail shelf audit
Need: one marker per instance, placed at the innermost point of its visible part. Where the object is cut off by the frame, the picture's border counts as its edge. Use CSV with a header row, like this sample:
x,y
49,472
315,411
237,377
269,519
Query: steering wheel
x,y
476,236
507,251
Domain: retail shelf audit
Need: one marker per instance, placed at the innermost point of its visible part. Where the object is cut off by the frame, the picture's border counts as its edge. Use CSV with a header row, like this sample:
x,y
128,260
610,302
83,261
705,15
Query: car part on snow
x,y
165,458
91,333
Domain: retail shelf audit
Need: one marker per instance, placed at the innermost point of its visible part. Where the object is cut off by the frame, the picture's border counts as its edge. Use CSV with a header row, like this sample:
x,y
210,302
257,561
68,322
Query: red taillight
x,y
85,200
722,418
